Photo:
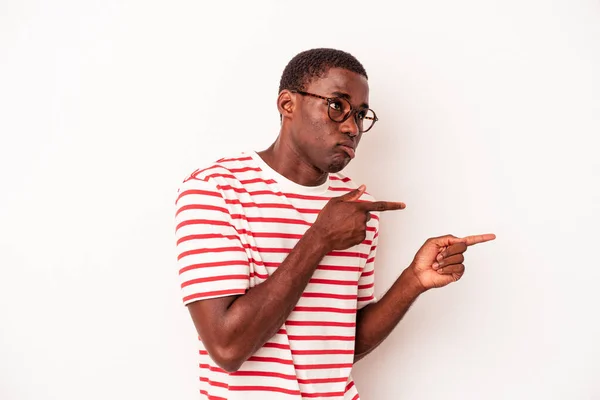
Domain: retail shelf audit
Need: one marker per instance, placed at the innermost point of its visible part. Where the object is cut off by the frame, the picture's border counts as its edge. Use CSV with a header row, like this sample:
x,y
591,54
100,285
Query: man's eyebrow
x,y
347,97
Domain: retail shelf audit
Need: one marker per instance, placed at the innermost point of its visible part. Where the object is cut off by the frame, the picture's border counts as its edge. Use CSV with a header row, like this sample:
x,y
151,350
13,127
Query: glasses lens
x,y
338,109
365,119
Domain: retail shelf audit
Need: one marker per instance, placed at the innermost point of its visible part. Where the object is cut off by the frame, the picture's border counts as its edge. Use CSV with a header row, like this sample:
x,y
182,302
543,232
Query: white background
x,y
489,122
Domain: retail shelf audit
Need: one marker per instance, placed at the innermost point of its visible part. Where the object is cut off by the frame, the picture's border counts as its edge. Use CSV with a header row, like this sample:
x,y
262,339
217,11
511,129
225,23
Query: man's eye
x,y
336,105
361,114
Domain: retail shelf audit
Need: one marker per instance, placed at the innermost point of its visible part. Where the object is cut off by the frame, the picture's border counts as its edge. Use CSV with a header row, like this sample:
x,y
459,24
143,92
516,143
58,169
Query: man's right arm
x,y
233,328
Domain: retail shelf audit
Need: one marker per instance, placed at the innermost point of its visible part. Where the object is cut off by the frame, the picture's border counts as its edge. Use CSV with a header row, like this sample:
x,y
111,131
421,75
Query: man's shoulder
x,y
224,169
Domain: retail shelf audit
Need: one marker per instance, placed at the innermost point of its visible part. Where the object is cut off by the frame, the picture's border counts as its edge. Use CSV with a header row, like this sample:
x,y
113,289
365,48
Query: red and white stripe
x,y
236,221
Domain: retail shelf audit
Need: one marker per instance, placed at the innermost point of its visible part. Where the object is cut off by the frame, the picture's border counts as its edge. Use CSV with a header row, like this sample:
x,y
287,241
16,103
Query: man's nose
x,y
350,127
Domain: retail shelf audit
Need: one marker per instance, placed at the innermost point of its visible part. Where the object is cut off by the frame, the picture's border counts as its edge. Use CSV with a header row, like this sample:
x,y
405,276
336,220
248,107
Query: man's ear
x,y
286,103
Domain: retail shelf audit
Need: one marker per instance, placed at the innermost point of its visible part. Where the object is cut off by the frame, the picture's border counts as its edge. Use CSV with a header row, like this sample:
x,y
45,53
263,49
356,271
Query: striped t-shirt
x,y
236,222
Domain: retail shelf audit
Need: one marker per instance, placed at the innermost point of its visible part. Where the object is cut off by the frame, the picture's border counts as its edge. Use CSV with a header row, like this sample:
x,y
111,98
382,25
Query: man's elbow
x,y
227,358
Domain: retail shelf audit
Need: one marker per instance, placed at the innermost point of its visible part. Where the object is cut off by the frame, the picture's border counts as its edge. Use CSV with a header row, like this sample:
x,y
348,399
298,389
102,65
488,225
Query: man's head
x,y
322,130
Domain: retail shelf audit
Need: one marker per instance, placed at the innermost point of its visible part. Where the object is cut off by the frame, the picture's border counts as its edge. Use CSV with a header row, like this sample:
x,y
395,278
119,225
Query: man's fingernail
x,y
435,265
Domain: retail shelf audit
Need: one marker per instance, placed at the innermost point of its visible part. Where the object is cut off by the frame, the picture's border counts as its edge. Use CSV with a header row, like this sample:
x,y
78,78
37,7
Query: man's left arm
x,y
375,321
437,263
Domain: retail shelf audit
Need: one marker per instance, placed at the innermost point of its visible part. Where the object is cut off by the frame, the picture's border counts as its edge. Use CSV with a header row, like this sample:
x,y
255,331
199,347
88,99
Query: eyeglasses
x,y
340,109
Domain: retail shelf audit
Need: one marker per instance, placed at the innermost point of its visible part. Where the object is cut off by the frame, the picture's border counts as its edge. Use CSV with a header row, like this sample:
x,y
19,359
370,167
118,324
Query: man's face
x,y
327,144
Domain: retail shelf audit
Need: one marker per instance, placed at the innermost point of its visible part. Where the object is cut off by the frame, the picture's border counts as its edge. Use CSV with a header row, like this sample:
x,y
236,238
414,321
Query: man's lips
x,y
348,150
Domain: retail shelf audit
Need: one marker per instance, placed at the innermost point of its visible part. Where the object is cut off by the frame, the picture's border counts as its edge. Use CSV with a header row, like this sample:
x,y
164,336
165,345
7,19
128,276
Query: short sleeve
x,y
366,281
211,259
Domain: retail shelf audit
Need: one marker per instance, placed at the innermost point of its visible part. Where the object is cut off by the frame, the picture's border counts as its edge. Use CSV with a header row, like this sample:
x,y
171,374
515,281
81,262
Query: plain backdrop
x,y
489,122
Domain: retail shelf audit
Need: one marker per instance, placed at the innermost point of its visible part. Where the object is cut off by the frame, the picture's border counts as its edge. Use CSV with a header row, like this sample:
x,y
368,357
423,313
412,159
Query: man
x,y
276,249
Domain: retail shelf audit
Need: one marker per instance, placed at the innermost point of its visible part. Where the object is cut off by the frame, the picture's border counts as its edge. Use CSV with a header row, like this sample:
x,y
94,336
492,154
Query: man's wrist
x,y
411,282
318,240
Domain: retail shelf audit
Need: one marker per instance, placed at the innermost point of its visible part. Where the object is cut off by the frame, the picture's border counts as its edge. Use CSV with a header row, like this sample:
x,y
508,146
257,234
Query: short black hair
x,y
314,63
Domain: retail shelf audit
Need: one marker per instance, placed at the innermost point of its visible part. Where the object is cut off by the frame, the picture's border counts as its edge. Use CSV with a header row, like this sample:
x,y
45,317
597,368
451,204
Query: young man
x,y
276,249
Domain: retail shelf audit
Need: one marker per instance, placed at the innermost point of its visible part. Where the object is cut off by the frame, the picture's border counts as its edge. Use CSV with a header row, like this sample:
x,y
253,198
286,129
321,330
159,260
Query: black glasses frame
x,y
347,115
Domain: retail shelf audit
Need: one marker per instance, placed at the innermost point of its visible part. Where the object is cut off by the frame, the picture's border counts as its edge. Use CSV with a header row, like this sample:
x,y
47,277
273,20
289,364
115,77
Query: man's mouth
x,y
348,150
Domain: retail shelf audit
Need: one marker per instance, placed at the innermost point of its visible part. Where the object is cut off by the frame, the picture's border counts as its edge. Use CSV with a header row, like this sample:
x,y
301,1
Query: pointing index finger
x,y
383,205
474,239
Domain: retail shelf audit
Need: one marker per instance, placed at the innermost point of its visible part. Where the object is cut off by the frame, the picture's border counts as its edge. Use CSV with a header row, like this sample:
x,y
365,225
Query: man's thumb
x,y
353,195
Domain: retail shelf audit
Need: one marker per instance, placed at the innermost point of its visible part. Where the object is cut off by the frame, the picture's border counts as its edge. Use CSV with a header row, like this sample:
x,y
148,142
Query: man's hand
x,y
342,223
440,260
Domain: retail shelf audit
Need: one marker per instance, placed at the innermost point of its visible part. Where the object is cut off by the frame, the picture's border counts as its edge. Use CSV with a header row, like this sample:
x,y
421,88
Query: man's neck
x,y
288,162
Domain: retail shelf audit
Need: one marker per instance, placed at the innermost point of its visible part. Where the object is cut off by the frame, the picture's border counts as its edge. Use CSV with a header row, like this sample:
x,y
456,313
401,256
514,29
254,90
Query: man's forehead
x,y
341,81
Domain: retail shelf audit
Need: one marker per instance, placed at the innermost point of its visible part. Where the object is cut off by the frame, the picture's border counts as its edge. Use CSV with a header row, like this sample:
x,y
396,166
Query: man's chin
x,y
338,164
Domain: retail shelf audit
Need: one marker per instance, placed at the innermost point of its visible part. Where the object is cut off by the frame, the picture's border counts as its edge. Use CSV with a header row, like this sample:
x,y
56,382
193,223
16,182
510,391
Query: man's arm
x,y
376,321
437,263
233,328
